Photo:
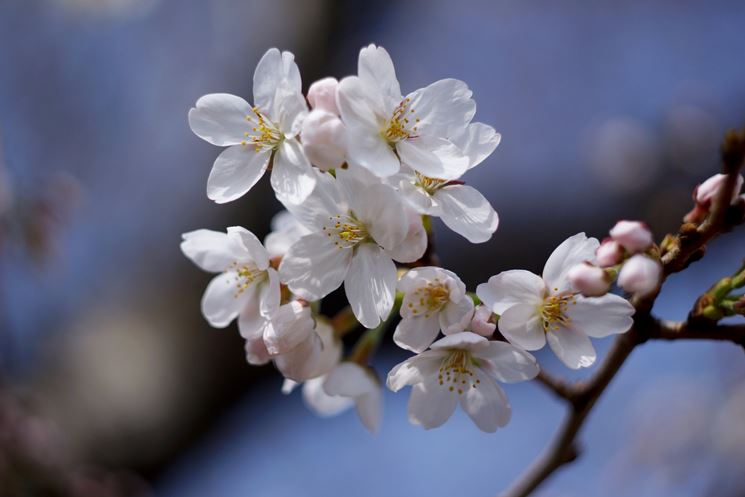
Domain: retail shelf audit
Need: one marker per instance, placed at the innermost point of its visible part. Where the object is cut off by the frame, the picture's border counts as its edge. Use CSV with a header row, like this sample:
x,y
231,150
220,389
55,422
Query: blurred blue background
x,y
607,110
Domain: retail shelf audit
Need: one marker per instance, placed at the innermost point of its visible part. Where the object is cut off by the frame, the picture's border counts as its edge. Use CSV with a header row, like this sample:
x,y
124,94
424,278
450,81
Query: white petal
x,y
370,284
486,404
370,410
433,156
376,68
463,340
572,251
332,349
601,316
256,353
292,175
236,170
361,105
508,363
220,119
350,380
367,148
478,142
573,347
380,208
416,196
314,266
415,369
415,278
250,245
300,363
431,404
320,402
251,324
456,316
212,251
290,326
467,212
521,325
412,247
416,333
222,301
509,288
270,294
444,108
325,200
273,71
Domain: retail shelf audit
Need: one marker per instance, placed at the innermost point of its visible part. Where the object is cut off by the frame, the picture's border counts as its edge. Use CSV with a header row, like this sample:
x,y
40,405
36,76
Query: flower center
x,y
553,311
398,126
346,231
429,185
430,298
246,276
264,134
455,372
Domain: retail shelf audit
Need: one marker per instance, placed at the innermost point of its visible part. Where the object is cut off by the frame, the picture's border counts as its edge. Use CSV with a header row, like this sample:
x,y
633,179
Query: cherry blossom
x,y
323,134
255,135
434,299
463,367
535,310
385,128
634,236
357,229
640,275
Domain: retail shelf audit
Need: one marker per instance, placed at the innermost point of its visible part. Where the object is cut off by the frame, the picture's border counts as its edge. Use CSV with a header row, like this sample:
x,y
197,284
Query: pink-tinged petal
x,y
324,139
416,333
507,363
509,288
456,316
256,353
573,347
572,251
290,326
640,275
292,176
431,404
223,300
236,170
314,266
522,326
322,95
481,324
370,284
415,369
464,210
634,236
220,119
485,403
433,156
601,316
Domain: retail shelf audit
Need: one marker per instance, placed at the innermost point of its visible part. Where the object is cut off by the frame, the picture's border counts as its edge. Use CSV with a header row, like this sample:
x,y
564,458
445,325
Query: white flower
x,y
537,309
640,275
385,129
246,284
255,134
347,385
434,299
634,236
357,228
286,230
462,208
317,354
464,367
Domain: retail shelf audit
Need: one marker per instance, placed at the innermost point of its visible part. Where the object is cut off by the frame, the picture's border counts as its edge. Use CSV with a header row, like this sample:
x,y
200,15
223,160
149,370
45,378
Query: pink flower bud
x,y
588,279
634,236
324,139
322,95
706,191
640,275
609,253
480,322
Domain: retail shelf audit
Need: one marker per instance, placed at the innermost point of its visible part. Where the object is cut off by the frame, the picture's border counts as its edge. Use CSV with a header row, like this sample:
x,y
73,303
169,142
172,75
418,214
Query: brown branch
x,y
686,247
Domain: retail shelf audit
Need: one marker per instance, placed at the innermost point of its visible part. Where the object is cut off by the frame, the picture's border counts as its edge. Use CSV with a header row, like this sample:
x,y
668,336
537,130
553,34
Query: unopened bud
x,y
588,279
708,190
640,275
634,236
481,322
324,139
322,95
609,253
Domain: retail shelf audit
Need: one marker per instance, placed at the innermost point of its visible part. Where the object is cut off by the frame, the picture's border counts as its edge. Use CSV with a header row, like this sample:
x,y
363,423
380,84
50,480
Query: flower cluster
x,y
361,168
